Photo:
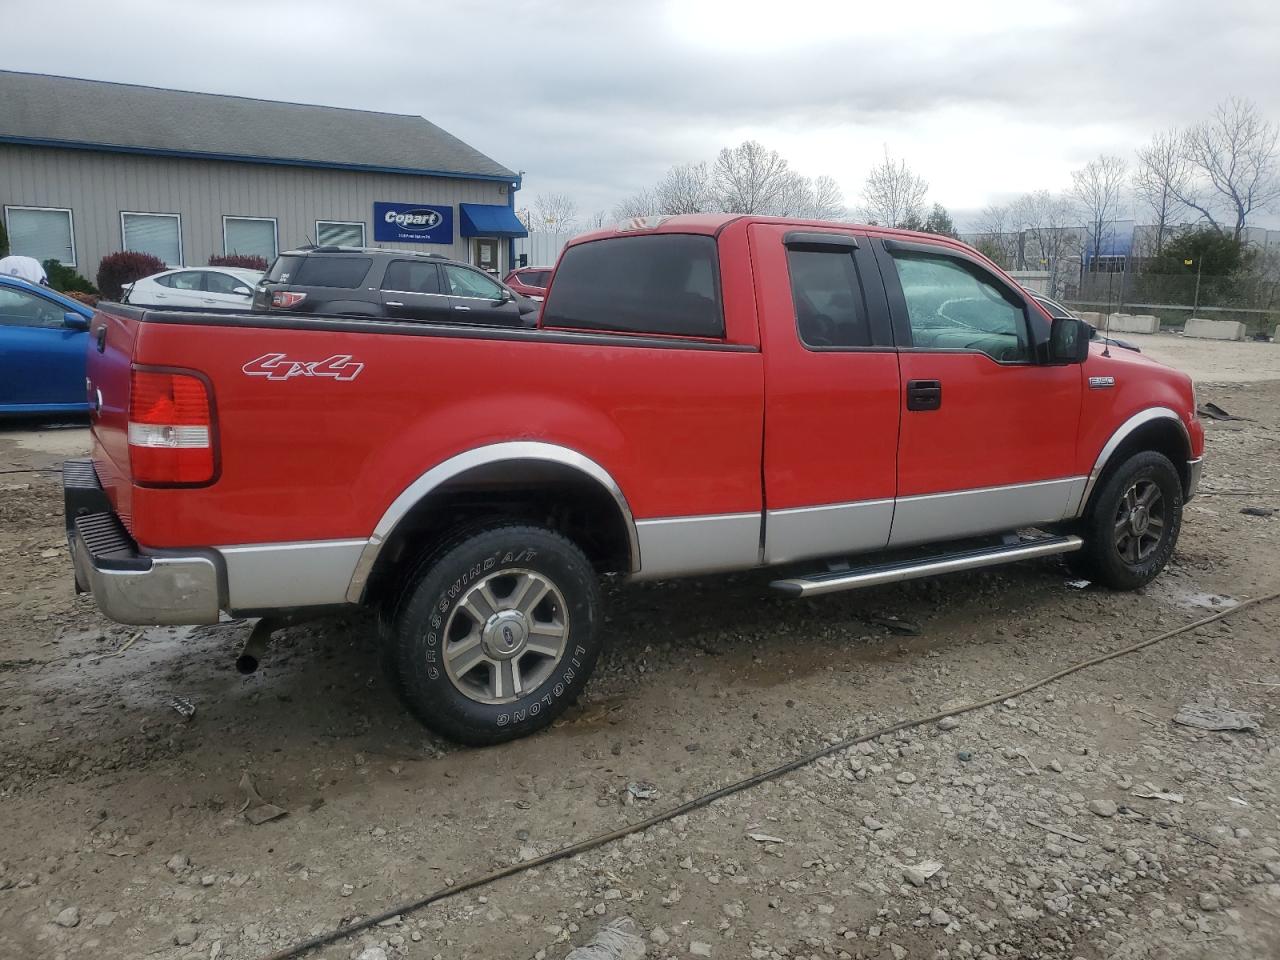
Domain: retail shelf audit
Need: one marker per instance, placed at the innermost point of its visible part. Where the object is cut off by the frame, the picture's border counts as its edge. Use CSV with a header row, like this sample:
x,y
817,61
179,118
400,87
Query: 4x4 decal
x,y
277,366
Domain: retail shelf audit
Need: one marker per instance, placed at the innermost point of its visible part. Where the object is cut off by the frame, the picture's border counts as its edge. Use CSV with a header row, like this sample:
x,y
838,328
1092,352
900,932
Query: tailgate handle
x,y
101,338
924,394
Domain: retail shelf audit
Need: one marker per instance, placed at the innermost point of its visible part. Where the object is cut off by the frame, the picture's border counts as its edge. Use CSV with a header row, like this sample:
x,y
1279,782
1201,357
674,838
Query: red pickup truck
x,y
849,405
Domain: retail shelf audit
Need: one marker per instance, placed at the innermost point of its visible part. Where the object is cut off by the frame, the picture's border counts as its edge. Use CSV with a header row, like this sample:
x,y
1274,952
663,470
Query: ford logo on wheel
x,y
414,221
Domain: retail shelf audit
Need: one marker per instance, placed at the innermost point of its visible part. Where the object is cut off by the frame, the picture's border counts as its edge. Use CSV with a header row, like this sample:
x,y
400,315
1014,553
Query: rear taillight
x,y
170,428
286,299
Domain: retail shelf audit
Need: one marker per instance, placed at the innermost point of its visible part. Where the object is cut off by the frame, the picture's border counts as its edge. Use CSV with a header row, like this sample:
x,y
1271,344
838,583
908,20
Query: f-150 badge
x,y
277,366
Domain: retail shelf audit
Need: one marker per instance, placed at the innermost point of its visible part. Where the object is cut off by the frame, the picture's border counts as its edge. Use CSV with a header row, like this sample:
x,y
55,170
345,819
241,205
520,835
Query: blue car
x,y
44,337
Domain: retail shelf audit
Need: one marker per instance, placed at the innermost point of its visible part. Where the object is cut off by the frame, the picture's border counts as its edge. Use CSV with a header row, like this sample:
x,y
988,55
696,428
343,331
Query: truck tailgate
x,y
112,339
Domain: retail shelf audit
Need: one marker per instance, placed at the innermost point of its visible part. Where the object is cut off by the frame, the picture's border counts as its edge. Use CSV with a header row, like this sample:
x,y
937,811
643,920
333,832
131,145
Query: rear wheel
x,y
1131,526
497,634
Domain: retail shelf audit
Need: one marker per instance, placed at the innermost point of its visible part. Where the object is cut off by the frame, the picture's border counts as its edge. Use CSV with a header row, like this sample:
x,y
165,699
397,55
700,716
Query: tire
x,y
1124,549
496,634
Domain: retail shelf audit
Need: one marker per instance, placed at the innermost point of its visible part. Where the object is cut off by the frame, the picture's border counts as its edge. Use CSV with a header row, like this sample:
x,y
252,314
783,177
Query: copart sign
x,y
412,223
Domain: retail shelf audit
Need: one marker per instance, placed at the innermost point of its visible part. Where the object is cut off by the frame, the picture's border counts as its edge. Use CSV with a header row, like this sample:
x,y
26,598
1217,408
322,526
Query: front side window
x,y
664,284
41,232
828,299
329,270
952,307
224,283
469,283
412,276
18,308
339,233
250,236
159,234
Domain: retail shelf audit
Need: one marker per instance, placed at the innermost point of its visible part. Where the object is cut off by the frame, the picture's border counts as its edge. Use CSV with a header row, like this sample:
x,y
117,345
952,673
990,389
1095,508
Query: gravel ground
x,y
1077,821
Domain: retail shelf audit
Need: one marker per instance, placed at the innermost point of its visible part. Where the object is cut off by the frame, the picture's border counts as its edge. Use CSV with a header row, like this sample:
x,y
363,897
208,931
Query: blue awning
x,y
489,220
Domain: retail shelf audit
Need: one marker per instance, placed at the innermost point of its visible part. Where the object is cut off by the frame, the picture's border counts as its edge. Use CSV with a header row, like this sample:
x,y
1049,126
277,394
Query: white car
x,y
226,288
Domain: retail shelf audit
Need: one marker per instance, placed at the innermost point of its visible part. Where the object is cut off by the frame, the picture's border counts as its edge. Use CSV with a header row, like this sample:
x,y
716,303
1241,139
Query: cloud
x,y
597,100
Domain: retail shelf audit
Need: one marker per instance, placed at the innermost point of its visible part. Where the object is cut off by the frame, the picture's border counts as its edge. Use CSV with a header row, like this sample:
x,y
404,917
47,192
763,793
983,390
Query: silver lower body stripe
x,y
825,531
681,546
265,576
965,513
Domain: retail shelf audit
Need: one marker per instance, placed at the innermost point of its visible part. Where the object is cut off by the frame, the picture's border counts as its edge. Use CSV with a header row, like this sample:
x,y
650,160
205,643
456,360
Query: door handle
x,y
101,338
924,394
394,303
458,306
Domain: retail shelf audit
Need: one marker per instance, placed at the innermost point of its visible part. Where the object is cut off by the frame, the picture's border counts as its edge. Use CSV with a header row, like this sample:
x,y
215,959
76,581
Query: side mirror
x,y
1068,341
506,296
242,292
75,321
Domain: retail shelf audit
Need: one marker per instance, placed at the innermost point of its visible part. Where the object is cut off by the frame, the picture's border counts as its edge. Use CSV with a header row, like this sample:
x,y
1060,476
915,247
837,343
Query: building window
x,y
339,233
250,236
159,234
41,232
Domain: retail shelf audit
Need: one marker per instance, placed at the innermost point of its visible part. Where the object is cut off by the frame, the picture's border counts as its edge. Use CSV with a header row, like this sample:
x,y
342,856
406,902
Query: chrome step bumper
x,y
130,585
873,575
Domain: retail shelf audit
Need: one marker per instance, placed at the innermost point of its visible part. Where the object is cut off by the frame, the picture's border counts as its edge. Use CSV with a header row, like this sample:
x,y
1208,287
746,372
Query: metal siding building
x,y
109,154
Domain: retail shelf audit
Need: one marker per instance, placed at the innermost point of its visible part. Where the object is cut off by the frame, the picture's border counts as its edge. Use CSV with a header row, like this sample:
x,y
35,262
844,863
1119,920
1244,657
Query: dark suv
x,y
397,284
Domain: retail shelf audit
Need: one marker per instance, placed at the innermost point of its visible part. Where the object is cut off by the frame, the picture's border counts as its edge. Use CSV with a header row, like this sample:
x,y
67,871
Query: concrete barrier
x,y
1089,316
1128,323
1214,329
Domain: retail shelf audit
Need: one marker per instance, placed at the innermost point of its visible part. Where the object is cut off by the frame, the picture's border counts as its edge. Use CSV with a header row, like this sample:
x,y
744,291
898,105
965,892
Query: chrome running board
x,y
872,575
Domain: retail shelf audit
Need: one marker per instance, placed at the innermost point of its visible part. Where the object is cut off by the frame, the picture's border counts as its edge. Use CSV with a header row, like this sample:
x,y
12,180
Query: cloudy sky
x,y
597,99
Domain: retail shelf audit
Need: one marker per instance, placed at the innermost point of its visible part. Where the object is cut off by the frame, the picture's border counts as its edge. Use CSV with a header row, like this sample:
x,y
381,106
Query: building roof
x,y
121,117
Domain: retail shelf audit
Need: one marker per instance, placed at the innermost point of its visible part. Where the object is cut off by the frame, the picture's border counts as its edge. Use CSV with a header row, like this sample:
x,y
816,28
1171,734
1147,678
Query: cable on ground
x,y
689,806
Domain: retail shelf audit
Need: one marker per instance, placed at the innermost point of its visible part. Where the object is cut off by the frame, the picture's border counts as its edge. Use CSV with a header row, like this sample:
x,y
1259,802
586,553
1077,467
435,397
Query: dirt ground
x,y
1076,821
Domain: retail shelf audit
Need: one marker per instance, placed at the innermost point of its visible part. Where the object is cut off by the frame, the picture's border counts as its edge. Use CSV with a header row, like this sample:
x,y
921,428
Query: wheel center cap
x,y
505,634
1139,520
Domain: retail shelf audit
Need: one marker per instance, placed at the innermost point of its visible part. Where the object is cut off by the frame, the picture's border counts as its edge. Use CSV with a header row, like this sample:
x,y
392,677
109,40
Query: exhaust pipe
x,y
256,646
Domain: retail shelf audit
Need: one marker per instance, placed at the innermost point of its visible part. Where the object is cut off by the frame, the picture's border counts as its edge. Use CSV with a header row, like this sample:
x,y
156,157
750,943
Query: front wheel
x,y
1132,523
497,634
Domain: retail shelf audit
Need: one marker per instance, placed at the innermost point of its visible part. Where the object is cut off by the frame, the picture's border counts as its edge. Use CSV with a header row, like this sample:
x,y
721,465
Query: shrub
x,y
65,280
117,269
246,261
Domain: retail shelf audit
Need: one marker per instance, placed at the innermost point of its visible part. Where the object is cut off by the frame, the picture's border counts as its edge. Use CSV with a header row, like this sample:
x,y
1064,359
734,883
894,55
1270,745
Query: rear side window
x,y
282,270
534,278
322,271
187,280
657,284
828,299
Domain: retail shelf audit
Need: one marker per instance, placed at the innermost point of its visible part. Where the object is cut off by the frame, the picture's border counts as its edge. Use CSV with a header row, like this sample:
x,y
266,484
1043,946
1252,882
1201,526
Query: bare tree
x,y
817,198
1160,176
1045,221
598,220
751,178
642,204
1233,163
998,237
554,213
893,194
685,188
1098,188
